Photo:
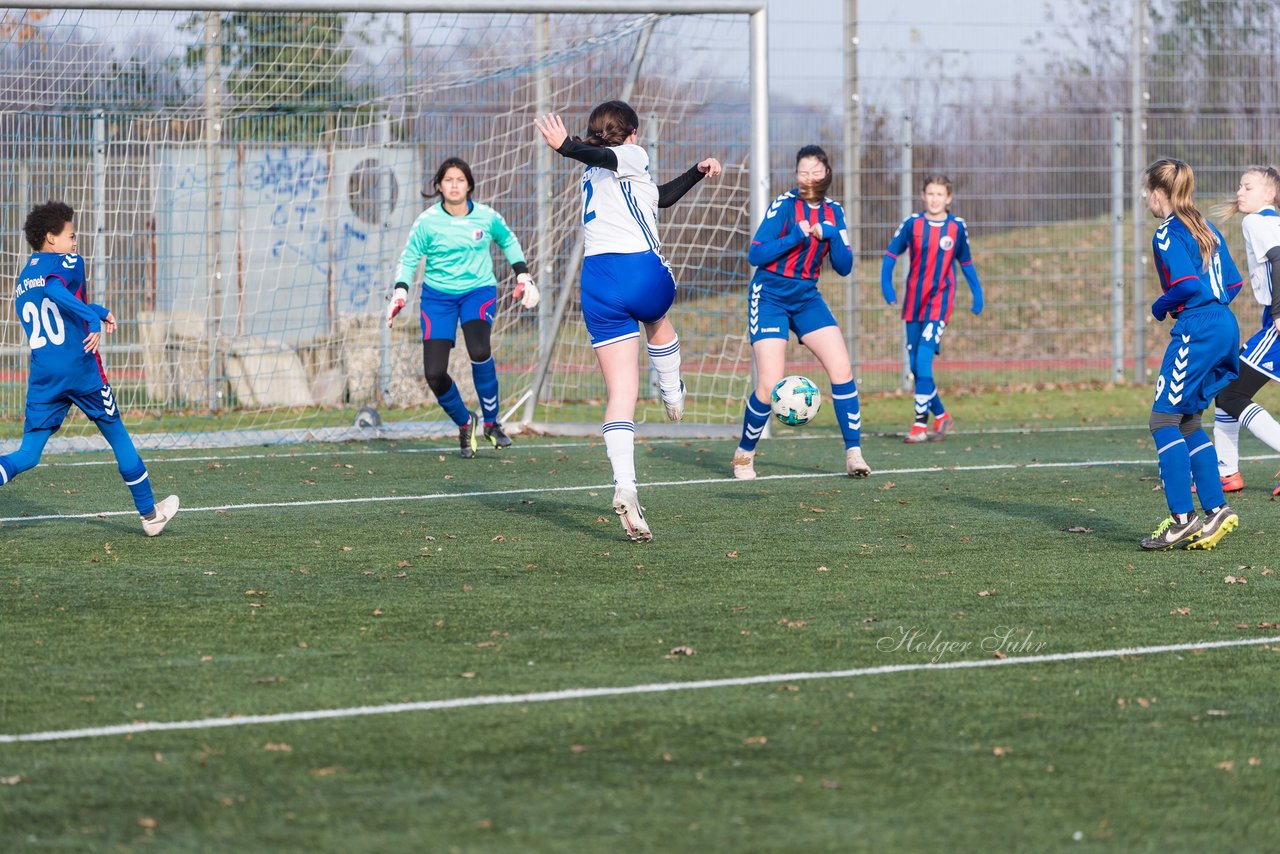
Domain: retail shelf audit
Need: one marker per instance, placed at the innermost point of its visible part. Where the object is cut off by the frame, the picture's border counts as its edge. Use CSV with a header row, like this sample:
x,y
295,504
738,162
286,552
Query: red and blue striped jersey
x,y
780,251
936,246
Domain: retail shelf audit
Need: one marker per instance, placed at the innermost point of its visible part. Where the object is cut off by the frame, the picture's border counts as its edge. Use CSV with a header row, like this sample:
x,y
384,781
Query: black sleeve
x,y
519,267
591,155
672,191
1273,255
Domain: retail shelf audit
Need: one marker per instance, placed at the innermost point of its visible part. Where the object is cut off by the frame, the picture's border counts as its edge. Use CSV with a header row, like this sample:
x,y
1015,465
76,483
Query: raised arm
x,y
672,191
766,247
557,137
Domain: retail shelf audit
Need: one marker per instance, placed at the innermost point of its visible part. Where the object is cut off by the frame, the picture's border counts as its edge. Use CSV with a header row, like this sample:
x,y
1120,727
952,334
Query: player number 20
x,y
46,323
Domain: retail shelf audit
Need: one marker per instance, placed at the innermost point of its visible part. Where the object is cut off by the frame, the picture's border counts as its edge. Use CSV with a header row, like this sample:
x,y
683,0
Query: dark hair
x,y
939,179
610,124
46,219
451,163
819,190
1176,180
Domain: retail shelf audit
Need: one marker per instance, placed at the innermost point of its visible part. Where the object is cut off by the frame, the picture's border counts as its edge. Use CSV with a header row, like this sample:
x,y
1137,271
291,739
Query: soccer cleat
x,y
854,464
1275,493
627,505
744,467
1230,483
165,511
941,427
674,404
1220,523
1169,534
918,433
467,437
495,434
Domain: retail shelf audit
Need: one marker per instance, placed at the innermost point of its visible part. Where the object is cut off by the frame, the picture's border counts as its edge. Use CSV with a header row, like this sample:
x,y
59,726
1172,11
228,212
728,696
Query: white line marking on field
x,y
588,693
542,490
449,447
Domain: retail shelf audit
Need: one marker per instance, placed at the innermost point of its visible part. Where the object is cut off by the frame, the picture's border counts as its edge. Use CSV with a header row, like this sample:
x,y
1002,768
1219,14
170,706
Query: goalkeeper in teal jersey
x,y
458,284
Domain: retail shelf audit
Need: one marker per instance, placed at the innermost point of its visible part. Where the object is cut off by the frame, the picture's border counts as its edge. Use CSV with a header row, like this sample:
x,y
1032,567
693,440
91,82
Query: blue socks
x,y
132,470
26,457
844,396
451,402
1175,469
485,376
1204,470
754,418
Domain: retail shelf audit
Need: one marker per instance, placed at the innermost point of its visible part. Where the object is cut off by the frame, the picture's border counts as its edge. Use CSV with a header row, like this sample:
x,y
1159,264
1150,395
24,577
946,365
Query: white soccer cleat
x,y
674,404
744,465
627,505
854,464
165,511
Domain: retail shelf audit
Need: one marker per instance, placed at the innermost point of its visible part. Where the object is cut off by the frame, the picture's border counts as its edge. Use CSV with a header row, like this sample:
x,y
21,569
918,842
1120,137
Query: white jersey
x,y
620,209
1261,234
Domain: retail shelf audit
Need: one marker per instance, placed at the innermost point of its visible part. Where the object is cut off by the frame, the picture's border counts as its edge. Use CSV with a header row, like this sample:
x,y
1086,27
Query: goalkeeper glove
x,y
399,296
526,291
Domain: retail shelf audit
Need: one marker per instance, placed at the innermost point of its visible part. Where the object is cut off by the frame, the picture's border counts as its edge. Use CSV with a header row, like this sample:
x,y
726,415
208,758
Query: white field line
x,y
449,447
589,693
542,490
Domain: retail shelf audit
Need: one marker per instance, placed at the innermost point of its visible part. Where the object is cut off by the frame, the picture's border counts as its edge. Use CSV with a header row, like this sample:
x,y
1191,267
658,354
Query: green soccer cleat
x,y
495,434
1169,534
1220,523
467,440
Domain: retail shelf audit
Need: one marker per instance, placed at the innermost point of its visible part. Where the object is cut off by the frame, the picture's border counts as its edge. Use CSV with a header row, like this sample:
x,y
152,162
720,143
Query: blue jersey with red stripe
x,y
787,261
936,246
52,303
1187,283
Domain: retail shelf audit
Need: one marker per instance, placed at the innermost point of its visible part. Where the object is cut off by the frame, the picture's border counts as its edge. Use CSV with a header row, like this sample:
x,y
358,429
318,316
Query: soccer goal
x,y
245,175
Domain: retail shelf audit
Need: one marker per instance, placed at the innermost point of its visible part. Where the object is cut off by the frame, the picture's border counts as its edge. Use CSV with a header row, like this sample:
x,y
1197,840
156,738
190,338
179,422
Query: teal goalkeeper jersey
x,y
456,248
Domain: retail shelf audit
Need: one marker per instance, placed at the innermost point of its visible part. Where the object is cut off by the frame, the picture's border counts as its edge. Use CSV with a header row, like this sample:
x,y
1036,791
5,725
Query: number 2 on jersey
x,y
53,328
587,213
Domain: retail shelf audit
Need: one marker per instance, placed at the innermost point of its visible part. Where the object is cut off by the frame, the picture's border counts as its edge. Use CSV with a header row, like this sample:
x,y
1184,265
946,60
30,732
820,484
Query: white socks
x,y
620,444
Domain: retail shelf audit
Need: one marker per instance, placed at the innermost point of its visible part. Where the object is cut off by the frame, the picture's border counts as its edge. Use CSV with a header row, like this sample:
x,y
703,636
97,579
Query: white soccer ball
x,y
795,400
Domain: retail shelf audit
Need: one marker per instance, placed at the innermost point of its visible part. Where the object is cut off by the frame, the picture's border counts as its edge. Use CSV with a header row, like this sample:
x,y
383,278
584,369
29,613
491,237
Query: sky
x,y
981,38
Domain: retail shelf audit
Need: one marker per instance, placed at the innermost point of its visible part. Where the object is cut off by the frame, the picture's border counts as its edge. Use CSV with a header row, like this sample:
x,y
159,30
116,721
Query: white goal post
x,y
245,174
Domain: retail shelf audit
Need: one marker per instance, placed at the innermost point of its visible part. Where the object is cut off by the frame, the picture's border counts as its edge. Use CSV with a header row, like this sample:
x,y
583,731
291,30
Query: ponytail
x,y
1178,182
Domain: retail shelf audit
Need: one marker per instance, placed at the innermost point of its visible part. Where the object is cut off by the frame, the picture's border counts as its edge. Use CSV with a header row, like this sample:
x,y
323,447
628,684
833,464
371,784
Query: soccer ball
x,y
795,401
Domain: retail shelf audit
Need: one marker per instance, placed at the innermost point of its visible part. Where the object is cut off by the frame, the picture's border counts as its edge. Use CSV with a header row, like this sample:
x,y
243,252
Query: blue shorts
x,y
622,290
772,318
1201,360
442,311
99,405
925,334
1262,351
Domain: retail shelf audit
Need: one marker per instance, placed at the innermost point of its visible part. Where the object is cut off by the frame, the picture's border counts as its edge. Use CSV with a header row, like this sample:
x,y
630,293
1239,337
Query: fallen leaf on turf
x,y
756,739
793,624
499,539
147,822
12,781
466,588
677,651
402,564
999,751
1268,572
401,575
1226,766
485,644
277,747
1255,761
888,484
1181,612
470,674
1079,529
346,548
731,554
823,569
377,612
986,593
830,784
323,772
1001,654
577,748
1232,579
268,680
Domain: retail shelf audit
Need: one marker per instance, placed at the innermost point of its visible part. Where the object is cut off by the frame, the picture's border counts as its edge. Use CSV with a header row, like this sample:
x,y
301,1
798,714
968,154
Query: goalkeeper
x,y
458,284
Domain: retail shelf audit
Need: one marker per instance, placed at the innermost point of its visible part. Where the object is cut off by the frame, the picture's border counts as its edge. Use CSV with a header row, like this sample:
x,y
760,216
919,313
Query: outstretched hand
x,y
710,167
91,342
109,323
552,129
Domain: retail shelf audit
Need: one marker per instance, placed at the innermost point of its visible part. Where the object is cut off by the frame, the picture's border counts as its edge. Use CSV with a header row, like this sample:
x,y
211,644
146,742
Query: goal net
x,y
245,181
